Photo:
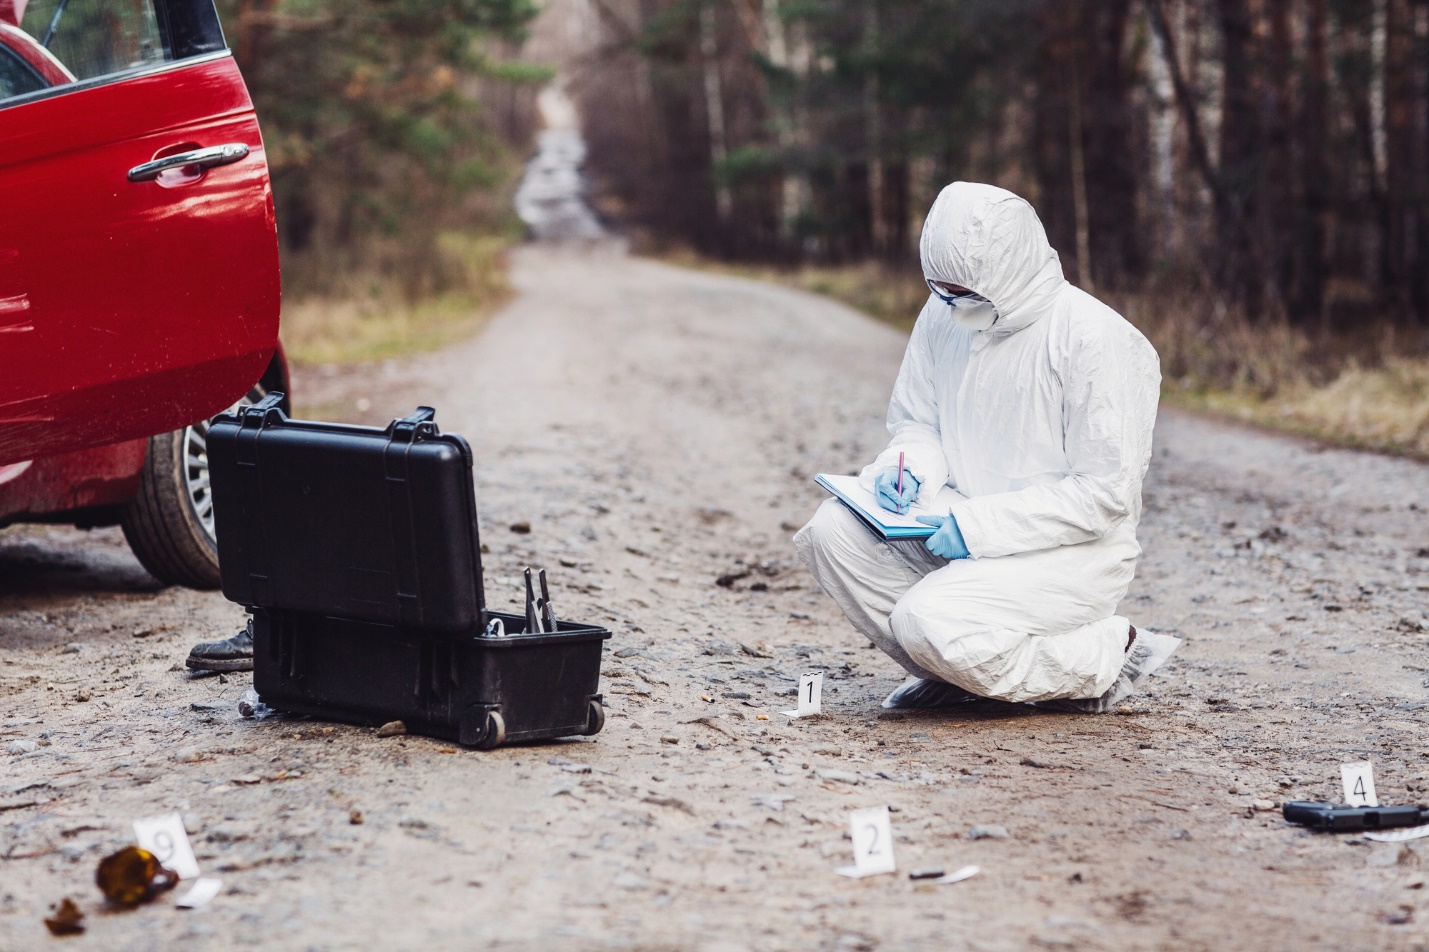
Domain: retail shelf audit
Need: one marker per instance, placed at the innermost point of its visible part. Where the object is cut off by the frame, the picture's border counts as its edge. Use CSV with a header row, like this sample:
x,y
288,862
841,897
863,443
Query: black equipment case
x,y
356,550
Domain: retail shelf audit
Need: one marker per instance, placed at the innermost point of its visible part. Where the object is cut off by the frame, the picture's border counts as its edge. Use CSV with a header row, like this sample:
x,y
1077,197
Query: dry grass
x,y
373,319
1364,390
1384,408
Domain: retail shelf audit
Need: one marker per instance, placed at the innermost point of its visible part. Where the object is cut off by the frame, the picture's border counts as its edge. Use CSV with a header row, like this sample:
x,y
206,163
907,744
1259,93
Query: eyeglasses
x,y
971,297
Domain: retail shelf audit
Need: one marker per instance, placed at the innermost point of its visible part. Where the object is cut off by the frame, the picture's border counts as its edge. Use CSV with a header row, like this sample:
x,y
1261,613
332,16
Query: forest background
x,y
1247,180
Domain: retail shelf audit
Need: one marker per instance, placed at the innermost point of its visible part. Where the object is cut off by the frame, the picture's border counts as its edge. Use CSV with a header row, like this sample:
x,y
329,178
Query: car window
x,y
17,77
69,45
96,37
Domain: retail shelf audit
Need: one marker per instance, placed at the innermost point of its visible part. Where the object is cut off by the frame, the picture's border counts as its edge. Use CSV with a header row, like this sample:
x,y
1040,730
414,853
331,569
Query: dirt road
x,y
658,429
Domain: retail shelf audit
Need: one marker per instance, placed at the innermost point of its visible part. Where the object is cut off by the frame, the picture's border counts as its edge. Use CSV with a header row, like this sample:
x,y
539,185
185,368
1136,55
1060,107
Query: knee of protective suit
x,y
826,531
910,621
928,629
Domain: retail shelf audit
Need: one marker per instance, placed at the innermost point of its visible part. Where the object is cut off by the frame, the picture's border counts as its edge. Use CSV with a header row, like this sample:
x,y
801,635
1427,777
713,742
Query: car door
x,y
139,285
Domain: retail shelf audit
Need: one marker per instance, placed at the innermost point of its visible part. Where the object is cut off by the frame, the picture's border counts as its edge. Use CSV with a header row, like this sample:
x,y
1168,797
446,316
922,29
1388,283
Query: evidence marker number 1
x,y
811,696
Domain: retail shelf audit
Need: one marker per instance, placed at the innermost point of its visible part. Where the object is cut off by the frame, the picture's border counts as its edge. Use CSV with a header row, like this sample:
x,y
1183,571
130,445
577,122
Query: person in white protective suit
x,y
1023,411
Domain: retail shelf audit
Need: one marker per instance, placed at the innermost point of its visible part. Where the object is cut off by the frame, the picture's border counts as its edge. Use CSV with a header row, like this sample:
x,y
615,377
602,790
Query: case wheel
x,y
595,720
494,731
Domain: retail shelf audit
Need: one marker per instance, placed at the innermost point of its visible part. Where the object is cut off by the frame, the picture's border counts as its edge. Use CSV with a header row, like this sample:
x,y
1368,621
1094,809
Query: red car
x,y
139,286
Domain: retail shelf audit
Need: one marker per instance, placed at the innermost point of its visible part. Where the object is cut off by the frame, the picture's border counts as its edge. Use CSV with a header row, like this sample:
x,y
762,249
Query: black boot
x,y
231,654
917,694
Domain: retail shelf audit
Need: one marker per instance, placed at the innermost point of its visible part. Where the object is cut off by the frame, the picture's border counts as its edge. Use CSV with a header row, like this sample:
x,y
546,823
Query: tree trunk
x,y
714,109
1397,248
1277,229
1115,237
1311,260
1051,159
873,128
1239,169
1076,154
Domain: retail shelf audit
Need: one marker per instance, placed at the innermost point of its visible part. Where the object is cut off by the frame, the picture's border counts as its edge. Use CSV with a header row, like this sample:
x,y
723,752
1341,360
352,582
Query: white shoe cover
x,y
922,694
1148,652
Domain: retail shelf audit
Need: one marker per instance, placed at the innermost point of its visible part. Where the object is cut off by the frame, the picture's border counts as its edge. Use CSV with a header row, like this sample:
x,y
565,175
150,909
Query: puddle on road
x,y
551,197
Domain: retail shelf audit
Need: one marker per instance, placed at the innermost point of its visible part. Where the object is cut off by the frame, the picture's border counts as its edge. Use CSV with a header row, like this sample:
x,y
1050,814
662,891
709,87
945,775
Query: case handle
x,y
415,425
264,412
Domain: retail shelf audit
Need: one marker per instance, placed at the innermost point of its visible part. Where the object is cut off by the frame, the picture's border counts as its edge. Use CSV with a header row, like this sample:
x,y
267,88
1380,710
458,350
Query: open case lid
x,y
352,521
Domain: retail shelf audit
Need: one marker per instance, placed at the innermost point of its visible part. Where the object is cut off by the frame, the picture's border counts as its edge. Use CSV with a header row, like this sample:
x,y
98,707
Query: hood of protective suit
x,y
988,240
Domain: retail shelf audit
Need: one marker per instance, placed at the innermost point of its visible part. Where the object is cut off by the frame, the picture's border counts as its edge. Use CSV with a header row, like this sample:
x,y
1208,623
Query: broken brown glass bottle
x,y
132,876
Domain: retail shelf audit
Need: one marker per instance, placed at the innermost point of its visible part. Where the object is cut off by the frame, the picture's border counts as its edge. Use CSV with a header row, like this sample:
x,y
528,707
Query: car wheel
x,y
169,524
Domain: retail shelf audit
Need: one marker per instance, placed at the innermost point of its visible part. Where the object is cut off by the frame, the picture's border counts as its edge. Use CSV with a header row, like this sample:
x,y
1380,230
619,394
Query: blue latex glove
x,y
885,487
948,540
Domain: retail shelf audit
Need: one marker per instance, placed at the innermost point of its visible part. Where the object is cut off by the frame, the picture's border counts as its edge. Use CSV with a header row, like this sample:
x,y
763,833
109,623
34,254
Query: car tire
x,y
169,524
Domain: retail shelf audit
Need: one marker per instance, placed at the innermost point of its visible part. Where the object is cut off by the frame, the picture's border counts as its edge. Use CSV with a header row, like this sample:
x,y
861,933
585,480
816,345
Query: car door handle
x,y
203,158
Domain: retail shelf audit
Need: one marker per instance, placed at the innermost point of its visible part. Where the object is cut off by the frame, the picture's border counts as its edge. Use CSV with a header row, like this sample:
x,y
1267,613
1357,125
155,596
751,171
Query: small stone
x,y
1383,856
22,747
354,817
990,831
669,740
82,695
521,528
926,872
74,647
838,776
188,755
142,632
1263,806
799,616
392,729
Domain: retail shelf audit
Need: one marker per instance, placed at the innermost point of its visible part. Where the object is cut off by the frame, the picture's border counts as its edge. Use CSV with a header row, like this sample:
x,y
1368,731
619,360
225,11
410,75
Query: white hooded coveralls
x,y
1036,435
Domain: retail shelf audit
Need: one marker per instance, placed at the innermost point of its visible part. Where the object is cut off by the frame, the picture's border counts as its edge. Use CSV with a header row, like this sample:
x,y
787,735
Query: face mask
x,y
971,310
974,315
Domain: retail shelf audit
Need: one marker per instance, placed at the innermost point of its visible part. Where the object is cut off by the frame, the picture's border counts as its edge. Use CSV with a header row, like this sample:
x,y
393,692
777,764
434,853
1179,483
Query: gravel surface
x,y
658,429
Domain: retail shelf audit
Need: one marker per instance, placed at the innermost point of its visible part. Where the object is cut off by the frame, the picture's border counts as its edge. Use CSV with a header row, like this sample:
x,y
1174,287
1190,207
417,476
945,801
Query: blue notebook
x,y
862,503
